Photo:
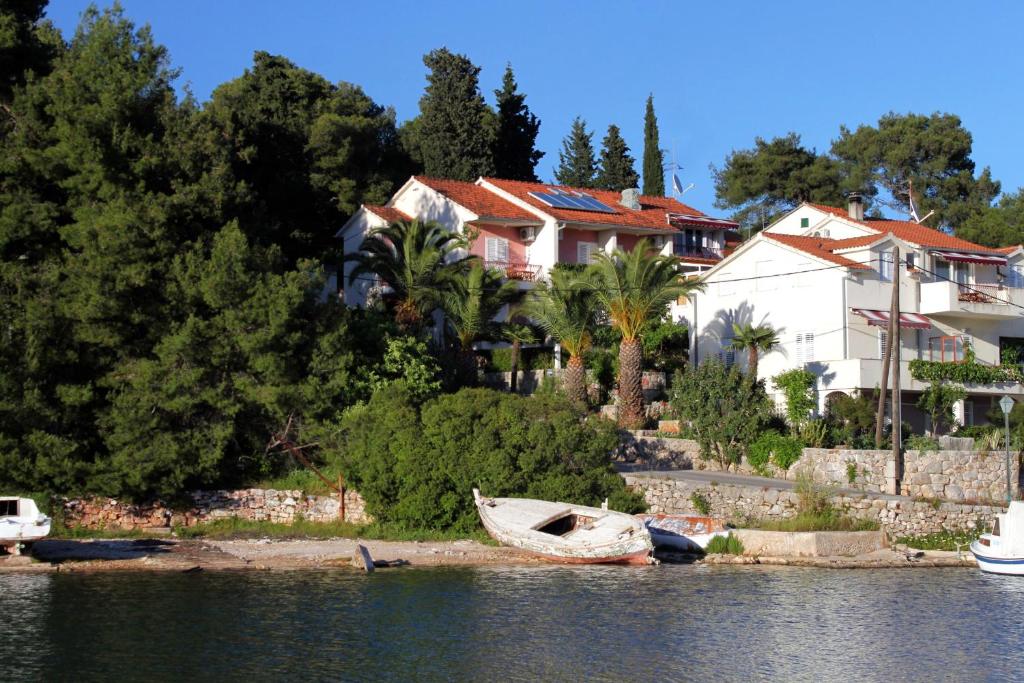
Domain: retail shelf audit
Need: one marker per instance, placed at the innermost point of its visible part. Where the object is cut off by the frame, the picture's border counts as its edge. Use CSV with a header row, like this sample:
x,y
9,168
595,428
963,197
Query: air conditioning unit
x,y
528,234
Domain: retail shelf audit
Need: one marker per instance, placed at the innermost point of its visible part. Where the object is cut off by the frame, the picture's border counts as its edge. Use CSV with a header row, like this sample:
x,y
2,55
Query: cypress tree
x,y
456,126
654,160
576,164
617,165
515,151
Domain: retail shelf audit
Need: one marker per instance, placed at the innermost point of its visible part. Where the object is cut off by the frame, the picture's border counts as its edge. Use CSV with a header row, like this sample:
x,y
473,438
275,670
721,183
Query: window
x,y
1015,277
8,508
883,343
728,354
805,222
968,413
763,270
497,249
941,269
885,267
585,252
911,260
946,349
962,272
804,347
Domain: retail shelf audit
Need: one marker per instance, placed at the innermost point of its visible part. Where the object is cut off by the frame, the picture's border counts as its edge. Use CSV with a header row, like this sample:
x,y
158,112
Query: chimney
x,y
631,198
855,207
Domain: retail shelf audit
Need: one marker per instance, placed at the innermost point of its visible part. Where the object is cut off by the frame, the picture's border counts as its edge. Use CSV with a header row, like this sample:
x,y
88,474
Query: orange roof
x,y
853,242
652,213
1007,250
391,215
480,201
816,246
908,231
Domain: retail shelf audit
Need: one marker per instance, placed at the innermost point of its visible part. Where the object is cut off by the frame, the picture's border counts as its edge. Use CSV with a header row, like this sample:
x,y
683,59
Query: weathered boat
x,y
683,532
21,523
563,532
1002,551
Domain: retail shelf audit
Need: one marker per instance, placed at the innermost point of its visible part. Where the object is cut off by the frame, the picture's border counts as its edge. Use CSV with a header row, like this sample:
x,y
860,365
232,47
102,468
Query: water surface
x,y
522,623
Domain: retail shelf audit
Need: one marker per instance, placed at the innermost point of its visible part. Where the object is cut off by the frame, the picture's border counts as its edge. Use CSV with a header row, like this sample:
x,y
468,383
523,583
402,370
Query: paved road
x,y
704,476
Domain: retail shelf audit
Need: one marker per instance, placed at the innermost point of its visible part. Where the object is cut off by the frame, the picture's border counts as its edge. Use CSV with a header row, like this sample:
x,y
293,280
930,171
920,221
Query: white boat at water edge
x,y
1002,551
21,523
683,532
564,532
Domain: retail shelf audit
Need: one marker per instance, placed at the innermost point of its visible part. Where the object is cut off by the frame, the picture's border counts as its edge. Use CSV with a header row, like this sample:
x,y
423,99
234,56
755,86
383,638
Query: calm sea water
x,y
533,623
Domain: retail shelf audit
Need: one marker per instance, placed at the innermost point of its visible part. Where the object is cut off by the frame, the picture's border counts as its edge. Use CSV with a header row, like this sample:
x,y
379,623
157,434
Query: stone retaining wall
x,y
732,501
258,505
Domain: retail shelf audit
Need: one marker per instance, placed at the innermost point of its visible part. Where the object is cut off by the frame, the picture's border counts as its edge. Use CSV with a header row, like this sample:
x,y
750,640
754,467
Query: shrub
x,y
666,345
782,451
851,472
829,520
416,466
700,503
797,386
938,400
408,361
725,545
726,409
812,497
942,540
916,442
530,358
852,419
815,433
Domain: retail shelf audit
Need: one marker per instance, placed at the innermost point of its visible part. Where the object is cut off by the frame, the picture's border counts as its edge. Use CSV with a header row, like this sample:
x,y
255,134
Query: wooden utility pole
x,y
897,397
889,335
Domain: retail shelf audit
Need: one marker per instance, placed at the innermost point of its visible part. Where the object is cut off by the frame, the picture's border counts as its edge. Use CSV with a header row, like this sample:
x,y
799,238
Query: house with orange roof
x,y
823,277
526,228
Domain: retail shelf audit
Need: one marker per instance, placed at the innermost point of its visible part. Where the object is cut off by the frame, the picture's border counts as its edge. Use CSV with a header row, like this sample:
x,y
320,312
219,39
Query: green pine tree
x,y
456,127
654,160
617,170
576,164
515,152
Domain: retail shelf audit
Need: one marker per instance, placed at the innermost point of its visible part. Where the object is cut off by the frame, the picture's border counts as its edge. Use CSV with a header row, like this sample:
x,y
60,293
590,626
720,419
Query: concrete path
x,y
704,476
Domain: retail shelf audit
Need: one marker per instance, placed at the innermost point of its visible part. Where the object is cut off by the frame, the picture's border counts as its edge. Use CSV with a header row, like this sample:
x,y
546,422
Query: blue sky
x,y
721,72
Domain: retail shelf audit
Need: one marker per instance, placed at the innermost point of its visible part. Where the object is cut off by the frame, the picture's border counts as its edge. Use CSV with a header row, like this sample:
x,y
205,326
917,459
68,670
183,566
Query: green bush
x,y
916,442
700,503
797,386
530,358
942,540
666,345
829,520
725,545
416,467
782,451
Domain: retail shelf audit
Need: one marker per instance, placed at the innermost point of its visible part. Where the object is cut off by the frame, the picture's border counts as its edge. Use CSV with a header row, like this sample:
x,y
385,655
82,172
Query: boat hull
x,y
685,533
1013,566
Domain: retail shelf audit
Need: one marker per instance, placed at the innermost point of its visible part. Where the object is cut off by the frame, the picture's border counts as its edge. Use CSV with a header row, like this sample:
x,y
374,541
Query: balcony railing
x,y
983,294
513,270
698,252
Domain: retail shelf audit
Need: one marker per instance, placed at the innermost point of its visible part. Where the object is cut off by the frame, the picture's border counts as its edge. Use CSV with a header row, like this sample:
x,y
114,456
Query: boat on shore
x,y
1002,551
684,533
21,524
563,532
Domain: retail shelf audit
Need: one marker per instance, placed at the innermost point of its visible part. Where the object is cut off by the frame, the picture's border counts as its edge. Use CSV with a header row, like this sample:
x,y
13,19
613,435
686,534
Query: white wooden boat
x,y
1002,551
564,532
683,532
21,523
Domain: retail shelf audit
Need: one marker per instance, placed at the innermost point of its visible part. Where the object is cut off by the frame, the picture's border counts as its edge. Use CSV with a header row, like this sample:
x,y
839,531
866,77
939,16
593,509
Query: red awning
x,y
960,257
689,220
881,319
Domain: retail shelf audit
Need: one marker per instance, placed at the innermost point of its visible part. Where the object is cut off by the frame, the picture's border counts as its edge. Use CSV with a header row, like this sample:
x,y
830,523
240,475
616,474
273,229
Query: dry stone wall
x,y
731,501
259,505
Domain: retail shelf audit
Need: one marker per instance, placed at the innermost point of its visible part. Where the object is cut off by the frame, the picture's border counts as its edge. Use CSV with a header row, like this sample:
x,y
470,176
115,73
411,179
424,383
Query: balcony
x,y
991,301
866,373
697,252
513,270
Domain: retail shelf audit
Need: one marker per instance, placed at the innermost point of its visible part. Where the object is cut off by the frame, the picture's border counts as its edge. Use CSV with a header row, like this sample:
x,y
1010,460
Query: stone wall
x,y
958,475
258,505
731,501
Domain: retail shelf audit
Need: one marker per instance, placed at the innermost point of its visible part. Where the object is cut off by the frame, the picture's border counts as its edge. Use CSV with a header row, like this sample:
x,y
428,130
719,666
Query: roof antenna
x,y
677,185
913,209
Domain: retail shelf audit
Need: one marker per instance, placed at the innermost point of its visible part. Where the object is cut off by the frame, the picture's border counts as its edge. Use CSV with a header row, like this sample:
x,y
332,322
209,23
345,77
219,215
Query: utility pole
x,y
897,398
889,335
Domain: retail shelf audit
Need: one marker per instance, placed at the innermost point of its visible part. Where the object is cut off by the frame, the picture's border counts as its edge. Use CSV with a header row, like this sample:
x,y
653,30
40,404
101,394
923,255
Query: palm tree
x,y
565,310
471,306
636,287
419,261
755,339
517,331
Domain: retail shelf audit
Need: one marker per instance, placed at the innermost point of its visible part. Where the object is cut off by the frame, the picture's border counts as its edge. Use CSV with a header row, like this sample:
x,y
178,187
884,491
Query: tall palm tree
x,y
565,310
419,261
755,339
471,305
636,287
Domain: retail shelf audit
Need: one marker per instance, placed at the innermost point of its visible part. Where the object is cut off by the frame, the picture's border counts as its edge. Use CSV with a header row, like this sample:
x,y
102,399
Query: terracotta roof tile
x,y
853,242
1007,250
391,215
479,200
652,212
815,246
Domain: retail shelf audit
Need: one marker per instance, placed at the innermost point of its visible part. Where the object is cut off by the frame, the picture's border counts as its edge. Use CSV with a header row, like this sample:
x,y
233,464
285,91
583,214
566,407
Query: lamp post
x,y
1006,403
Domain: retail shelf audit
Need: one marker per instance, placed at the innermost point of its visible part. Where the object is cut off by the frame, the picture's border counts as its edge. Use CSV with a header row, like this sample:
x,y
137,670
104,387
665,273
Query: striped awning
x,y
881,319
960,257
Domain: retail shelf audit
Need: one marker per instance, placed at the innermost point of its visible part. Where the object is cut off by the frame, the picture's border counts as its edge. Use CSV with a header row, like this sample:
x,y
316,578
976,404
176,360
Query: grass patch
x,y
301,479
59,531
942,540
829,520
234,528
725,545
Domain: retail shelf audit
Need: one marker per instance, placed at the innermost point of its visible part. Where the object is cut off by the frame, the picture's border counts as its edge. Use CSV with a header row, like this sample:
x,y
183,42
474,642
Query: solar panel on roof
x,y
560,199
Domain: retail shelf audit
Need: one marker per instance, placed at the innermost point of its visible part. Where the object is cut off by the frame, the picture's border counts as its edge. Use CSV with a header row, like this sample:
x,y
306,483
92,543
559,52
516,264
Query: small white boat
x,y
564,532
1002,551
683,532
21,523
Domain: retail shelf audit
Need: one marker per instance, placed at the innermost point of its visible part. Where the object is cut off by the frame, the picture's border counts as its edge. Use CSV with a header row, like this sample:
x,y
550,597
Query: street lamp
x,y
1006,403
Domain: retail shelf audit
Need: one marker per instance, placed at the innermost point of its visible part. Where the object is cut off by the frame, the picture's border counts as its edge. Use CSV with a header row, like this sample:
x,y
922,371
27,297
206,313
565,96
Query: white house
x,y
526,228
822,277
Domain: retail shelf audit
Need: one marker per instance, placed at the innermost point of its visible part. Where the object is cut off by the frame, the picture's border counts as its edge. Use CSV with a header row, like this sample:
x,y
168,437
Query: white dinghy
x,y
21,523
564,532
1002,551
685,533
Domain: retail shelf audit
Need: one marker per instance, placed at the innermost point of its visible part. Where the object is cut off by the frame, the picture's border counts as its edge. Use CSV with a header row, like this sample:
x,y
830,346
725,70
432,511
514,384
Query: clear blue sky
x,y
721,72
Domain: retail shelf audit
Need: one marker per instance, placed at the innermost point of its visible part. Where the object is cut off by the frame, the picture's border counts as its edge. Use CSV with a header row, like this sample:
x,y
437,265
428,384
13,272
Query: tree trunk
x,y
467,366
752,362
515,365
574,380
631,397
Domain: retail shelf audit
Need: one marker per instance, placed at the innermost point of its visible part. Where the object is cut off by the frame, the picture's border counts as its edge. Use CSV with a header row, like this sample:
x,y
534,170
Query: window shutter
x,y
883,343
584,252
804,347
497,249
